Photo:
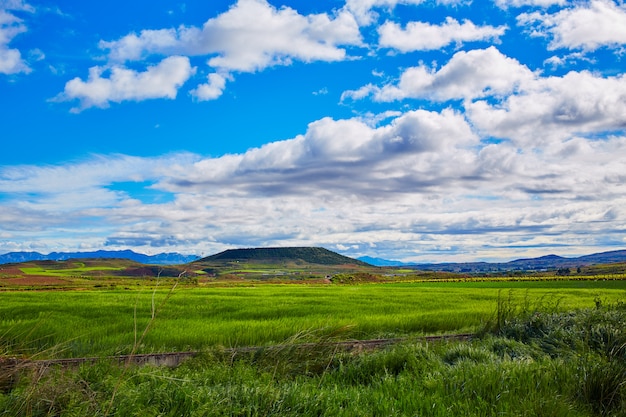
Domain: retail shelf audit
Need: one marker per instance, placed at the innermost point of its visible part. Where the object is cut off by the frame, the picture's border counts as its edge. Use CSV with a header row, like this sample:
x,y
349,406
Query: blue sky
x,y
417,130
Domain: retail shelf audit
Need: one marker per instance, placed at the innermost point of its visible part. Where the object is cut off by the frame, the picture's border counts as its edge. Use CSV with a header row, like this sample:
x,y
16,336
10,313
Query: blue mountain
x,y
171,258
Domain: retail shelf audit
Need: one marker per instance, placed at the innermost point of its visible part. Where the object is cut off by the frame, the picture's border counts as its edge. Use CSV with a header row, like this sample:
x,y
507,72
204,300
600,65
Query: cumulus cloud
x,y
503,98
422,182
422,36
468,75
250,36
557,107
211,90
11,61
159,81
411,150
586,26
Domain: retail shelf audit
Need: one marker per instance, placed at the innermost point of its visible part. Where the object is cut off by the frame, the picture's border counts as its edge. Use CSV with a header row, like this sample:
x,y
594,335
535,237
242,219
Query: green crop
x,y
539,364
83,323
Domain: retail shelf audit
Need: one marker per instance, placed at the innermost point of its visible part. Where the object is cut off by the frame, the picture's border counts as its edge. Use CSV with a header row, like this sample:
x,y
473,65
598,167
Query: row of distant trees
x,y
567,271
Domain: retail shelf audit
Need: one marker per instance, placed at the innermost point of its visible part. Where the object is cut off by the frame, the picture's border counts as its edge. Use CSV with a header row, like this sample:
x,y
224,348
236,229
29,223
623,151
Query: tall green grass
x,y
497,375
105,322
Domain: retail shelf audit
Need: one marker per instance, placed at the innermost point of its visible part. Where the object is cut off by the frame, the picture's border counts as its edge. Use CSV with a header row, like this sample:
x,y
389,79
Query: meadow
x,y
559,364
112,321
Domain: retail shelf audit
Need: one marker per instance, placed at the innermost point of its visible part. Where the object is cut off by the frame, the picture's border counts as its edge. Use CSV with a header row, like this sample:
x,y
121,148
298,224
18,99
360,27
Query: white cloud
x,y
359,93
505,4
468,75
365,15
422,182
410,149
362,9
11,61
94,172
422,36
159,81
213,89
586,26
132,47
556,61
557,107
250,36
16,5
504,99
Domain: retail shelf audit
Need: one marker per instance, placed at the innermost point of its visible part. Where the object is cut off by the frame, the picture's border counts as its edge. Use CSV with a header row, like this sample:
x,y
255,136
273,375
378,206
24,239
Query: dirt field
x,y
31,280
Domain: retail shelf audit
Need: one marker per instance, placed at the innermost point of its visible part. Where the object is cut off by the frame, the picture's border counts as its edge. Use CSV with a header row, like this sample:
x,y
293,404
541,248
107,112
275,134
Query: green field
x,y
545,344
85,323
569,364
66,272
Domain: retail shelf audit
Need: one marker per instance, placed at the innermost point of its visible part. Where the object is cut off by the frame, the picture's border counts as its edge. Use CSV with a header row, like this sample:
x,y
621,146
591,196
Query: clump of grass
x,y
594,340
308,353
512,307
466,352
602,384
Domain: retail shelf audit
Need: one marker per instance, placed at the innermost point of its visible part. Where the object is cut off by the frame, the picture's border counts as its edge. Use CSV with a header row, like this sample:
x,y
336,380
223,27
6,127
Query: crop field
x,y
112,321
70,272
545,346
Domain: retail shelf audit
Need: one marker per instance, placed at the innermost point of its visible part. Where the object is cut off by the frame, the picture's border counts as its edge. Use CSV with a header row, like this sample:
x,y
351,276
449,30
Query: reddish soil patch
x,y
12,270
32,280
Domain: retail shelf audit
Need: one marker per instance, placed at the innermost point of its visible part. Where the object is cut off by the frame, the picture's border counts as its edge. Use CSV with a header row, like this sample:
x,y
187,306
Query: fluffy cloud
x,y
558,107
586,26
412,151
159,81
11,61
421,183
250,36
468,75
211,90
504,99
421,36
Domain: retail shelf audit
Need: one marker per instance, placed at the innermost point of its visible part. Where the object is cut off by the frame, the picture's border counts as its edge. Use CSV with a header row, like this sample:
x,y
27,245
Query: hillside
x,y
310,255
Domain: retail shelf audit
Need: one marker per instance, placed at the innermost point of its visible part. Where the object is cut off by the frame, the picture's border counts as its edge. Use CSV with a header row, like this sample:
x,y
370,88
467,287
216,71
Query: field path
x,y
174,359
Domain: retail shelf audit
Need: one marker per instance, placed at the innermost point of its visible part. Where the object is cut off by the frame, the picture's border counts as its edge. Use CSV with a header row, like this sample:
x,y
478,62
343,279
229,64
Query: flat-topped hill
x,y
310,255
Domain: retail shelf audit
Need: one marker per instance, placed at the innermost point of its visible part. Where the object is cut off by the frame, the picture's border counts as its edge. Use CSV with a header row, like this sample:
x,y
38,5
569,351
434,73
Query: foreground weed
x,y
138,341
511,307
307,353
602,384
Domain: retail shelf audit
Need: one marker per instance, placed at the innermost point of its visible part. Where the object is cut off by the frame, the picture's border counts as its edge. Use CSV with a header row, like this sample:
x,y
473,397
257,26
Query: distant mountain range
x,y
548,262
159,259
323,256
381,262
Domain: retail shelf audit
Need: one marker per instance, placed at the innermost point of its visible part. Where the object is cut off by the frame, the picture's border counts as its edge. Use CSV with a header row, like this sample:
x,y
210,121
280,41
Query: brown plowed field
x,y
32,280
12,270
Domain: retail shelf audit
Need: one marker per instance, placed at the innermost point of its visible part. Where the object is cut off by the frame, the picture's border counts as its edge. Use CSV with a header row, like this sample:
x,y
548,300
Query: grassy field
x,y
103,322
544,344
535,364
